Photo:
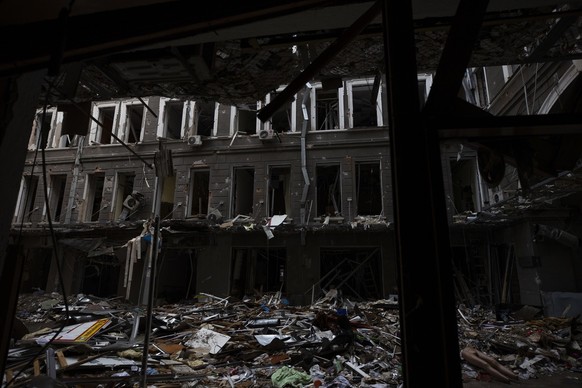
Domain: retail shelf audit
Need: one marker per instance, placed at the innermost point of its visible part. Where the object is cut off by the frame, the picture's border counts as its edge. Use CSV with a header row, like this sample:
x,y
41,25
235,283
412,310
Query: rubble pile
x,y
265,342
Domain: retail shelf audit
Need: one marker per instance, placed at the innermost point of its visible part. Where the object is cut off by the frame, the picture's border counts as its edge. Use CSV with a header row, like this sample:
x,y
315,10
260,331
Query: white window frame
x,y
121,130
187,124
268,125
313,104
54,139
363,82
196,119
95,129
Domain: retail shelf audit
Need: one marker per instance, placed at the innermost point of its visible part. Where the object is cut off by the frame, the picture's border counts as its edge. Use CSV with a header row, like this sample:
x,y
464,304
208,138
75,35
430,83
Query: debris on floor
x,y
266,342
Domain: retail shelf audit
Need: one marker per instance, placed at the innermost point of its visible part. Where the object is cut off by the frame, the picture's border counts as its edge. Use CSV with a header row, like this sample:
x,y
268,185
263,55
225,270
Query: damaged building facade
x,y
301,203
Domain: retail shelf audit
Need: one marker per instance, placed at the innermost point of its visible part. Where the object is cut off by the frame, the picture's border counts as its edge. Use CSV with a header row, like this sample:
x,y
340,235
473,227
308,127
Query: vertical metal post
x,y
427,304
150,305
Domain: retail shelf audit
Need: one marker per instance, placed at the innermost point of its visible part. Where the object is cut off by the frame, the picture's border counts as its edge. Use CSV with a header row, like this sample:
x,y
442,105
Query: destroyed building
x,y
270,161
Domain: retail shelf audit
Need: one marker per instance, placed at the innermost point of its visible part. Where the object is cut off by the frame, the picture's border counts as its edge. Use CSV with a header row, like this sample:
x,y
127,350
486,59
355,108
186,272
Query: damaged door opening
x,y
368,188
354,273
199,192
256,271
94,196
328,190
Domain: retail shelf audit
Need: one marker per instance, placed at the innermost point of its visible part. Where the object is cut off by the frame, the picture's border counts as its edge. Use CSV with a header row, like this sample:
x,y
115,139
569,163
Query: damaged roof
x,y
238,54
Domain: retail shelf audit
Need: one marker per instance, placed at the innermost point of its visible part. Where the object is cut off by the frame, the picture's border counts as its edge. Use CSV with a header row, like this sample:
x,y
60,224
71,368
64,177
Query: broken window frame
x,y
191,200
337,191
187,117
247,116
54,139
313,115
95,130
475,182
57,197
369,83
26,199
89,198
286,190
234,197
198,111
121,191
424,85
357,186
123,130
290,108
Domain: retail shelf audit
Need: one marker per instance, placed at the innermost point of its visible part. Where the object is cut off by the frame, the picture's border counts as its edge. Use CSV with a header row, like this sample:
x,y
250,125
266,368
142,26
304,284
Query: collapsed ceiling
x,y
243,62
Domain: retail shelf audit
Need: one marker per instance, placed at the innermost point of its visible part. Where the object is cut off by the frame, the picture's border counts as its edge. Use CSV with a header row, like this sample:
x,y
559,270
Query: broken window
x,y
44,126
368,188
75,123
354,273
199,192
365,104
247,118
206,117
94,196
174,119
123,189
283,119
167,198
464,177
106,115
424,85
132,130
26,199
57,196
278,197
256,271
243,191
327,109
328,190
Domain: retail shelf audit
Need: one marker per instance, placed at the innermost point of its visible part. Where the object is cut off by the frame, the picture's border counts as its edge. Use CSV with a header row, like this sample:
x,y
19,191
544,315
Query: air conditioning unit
x,y
195,140
131,202
266,134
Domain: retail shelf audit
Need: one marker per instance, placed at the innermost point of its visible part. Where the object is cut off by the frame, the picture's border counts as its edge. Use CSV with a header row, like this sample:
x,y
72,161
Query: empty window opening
x,y
106,118
364,112
57,197
101,276
281,119
328,190
243,190
354,273
247,119
176,279
199,192
26,204
134,123
46,129
327,109
167,199
465,192
206,112
75,122
123,190
256,271
174,112
279,191
368,189
94,197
